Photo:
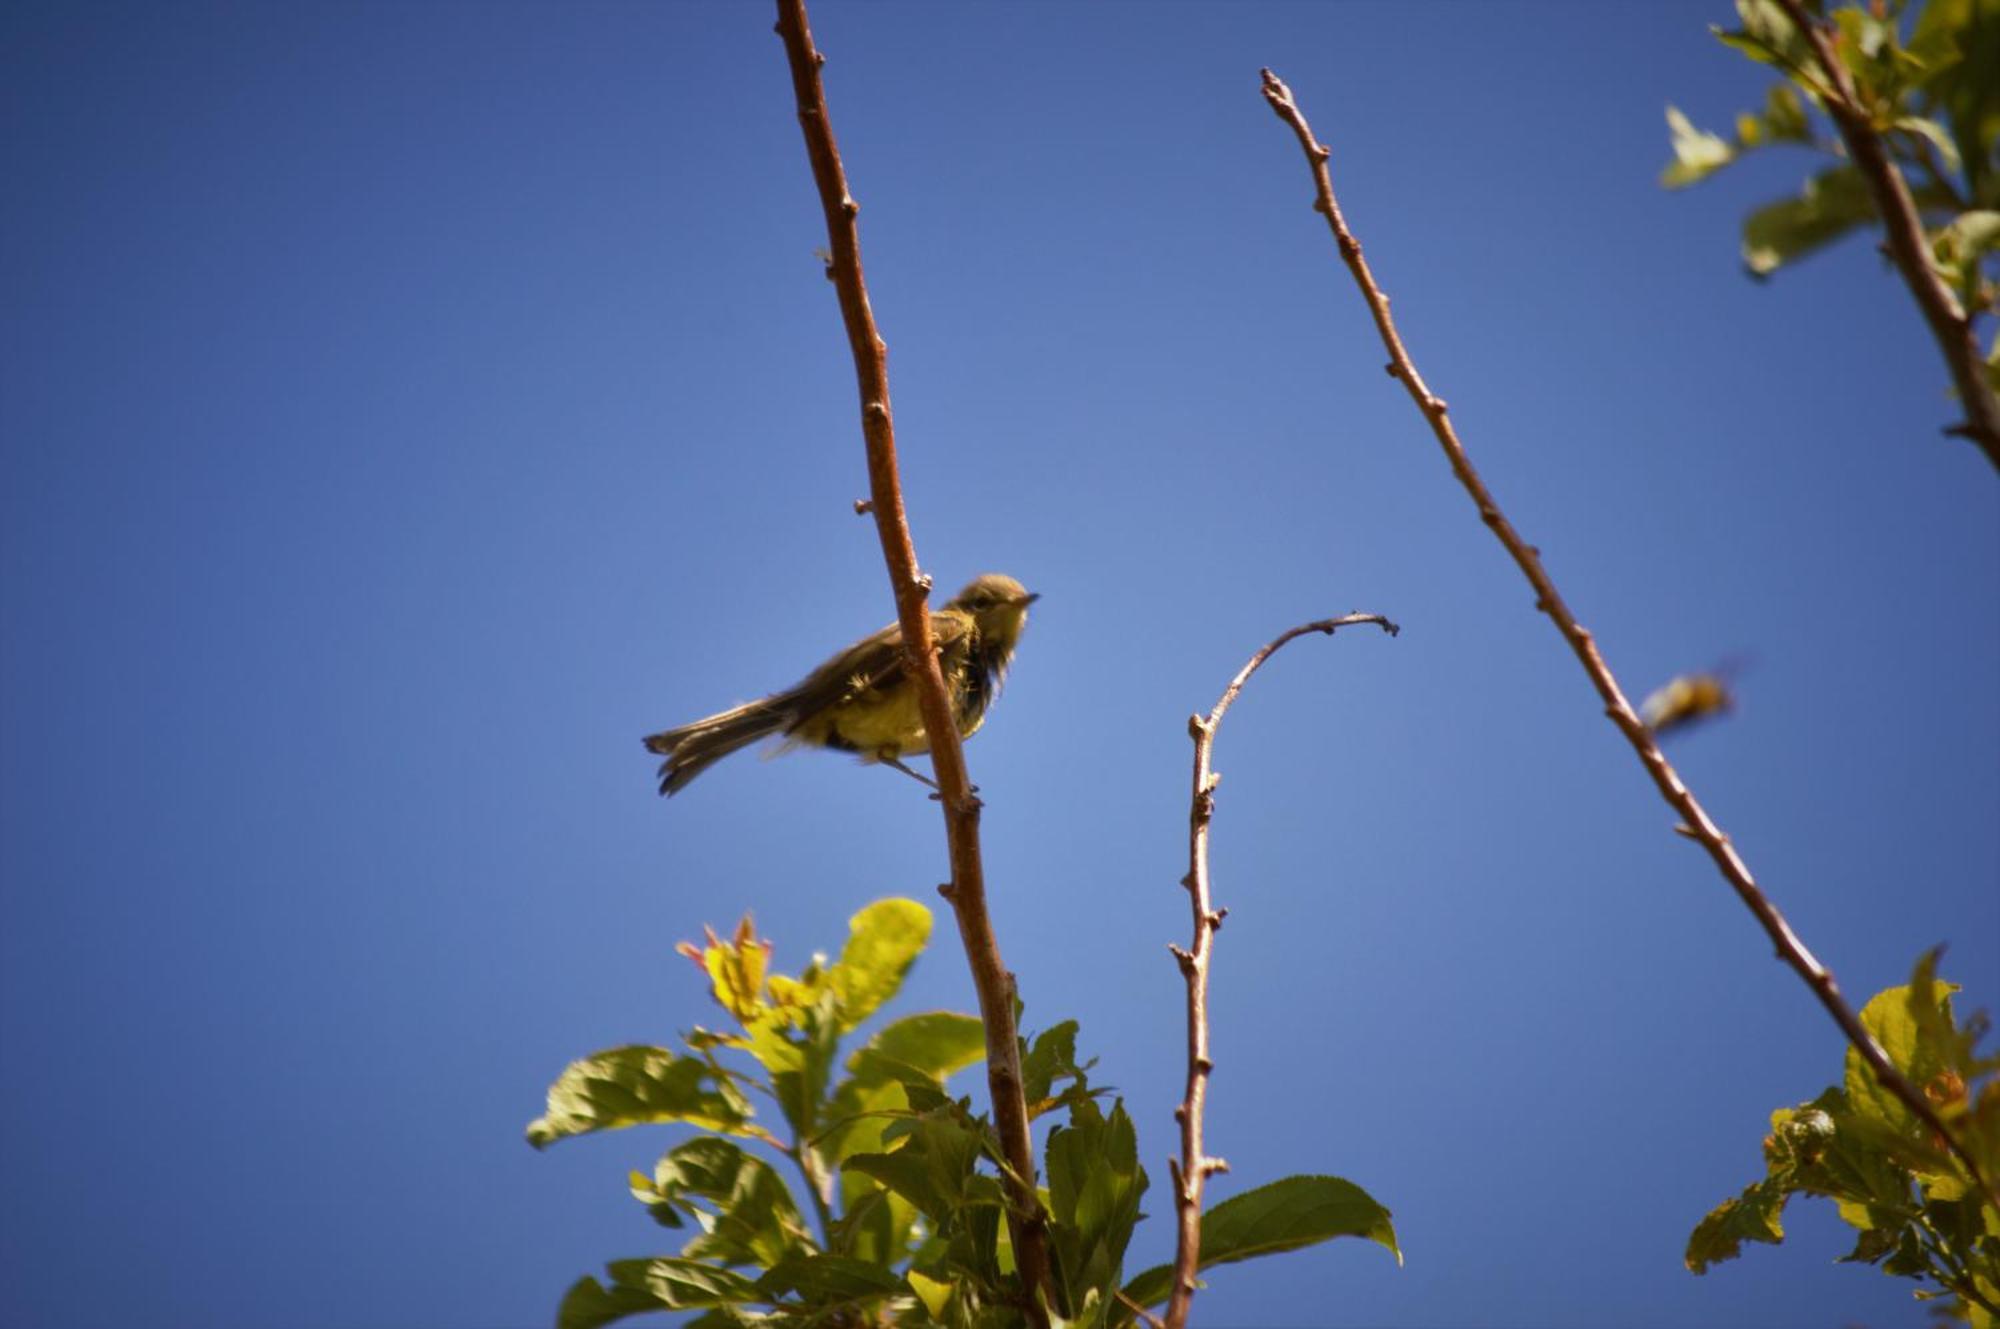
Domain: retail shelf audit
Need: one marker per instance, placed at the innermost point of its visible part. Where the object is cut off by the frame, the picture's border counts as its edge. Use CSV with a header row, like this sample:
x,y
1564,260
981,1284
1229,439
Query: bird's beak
x,y
1029,598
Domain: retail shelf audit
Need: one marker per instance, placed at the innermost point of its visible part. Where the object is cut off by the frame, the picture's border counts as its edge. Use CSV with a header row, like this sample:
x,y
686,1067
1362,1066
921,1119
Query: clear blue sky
x,y
407,407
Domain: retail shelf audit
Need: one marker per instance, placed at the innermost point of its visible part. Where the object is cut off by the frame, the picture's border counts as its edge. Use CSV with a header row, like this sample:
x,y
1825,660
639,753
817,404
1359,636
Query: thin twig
x,y
1695,822
1911,253
967,889
1191,1170
1151,1320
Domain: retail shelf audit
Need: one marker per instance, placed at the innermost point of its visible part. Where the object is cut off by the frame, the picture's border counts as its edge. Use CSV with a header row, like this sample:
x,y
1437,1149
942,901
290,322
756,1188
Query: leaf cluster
x,y
902,1180
1934,101
1918,1213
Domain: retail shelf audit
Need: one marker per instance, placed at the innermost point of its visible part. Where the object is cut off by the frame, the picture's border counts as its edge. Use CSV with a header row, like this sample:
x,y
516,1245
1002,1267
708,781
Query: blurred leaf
x,y
1867,46
1830,205
735,969
753,1219
1697,153
824,1281
589,1304
875,1224
1281,1216
636,1086
1752,1216
980,1246
801,1062
1767,35
933,1044
932,1292
1783,121
1785,114
1960,247
1933,133
677,1284
856,1117
1957,43
884,939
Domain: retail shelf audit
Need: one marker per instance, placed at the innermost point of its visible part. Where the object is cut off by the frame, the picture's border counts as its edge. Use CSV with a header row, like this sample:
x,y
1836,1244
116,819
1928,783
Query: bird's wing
x,y
871,664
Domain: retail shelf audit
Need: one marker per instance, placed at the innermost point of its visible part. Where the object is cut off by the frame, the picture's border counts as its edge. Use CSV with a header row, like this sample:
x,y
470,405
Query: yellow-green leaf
x,y
636,1086
883,941
1282,1216
1697,153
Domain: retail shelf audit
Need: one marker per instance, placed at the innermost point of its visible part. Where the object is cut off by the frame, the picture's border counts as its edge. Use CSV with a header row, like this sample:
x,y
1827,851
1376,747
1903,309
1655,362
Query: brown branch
x,y
1695,822
1908,249
967,889
1191,1170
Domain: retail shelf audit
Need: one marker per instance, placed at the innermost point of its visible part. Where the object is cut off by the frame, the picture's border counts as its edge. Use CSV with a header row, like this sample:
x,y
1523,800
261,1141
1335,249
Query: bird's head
x,y
999,605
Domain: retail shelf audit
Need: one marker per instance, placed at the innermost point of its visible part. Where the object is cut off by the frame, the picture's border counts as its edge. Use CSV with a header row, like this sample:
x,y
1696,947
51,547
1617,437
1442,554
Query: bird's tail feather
x,y
693,748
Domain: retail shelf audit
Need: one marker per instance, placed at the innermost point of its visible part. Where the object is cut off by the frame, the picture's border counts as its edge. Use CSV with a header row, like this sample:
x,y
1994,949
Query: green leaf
x,y
1697,153
925,1048
829,1280
1888,1016
1785,115
1752,1216
935,1043
857,1116
1783,120
1957,45
933,1169
1960,247
1281,1216
934,1293
588,1304
1053,1058
637,1086
800,1063
1767,35
639,1286
883,941
1095,1184
750,1218
1830,205
677,1284
1934,133
875,1224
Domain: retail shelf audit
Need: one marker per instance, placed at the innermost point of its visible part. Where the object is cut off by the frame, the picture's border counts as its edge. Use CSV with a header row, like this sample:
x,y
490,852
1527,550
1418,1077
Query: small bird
x,y
861,700
1687,700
